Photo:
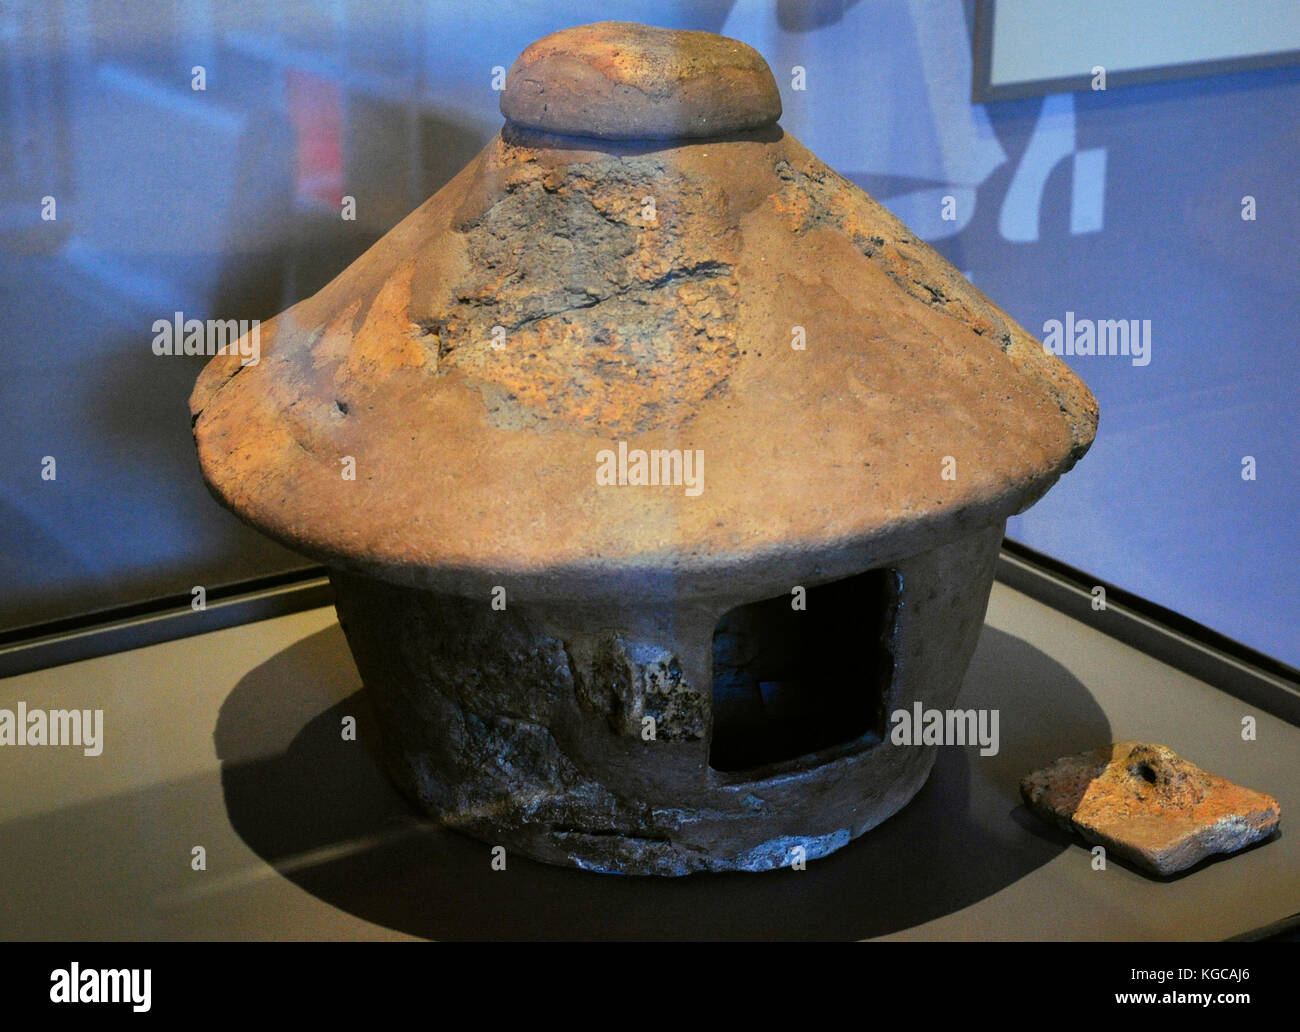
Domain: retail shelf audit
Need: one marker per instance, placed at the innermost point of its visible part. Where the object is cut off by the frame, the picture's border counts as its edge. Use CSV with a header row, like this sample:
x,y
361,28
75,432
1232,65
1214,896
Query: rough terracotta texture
x,y
523,726
1145,803
564,295
673,334
621,80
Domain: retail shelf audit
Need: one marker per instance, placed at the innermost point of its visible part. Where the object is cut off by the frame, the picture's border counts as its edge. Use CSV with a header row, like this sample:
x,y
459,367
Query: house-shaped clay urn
x,y
655,465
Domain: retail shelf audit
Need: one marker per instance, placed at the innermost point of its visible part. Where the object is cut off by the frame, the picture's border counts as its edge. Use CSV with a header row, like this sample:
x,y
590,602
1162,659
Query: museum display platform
x,y
237,743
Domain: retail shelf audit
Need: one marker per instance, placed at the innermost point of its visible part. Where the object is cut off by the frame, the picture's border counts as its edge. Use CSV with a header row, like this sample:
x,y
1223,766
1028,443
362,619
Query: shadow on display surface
x,y
322,812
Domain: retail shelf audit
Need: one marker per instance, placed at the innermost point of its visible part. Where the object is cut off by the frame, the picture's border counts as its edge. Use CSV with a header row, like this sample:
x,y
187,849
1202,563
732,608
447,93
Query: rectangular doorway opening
x,y
790,681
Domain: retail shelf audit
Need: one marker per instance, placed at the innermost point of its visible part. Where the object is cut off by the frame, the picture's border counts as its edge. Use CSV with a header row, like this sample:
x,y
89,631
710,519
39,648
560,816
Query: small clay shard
x,y
1145,803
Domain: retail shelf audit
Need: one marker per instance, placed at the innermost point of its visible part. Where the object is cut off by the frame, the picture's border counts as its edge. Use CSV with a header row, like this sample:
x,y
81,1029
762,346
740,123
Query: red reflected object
x,y
316,111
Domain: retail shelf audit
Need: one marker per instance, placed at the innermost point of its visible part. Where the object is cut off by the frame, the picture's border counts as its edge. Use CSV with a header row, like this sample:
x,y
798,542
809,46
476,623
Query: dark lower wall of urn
x,y
1125,204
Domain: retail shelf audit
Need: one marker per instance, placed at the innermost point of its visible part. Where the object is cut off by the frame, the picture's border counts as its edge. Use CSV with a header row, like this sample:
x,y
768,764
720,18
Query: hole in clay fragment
x,y
787,683
1144,771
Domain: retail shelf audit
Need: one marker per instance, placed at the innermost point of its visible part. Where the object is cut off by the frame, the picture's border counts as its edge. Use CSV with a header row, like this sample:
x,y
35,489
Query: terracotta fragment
x,y
1145,803
610,673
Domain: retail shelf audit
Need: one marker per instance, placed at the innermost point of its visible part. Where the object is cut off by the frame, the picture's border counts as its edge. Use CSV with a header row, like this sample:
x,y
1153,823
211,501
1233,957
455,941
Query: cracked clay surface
x,y
560,296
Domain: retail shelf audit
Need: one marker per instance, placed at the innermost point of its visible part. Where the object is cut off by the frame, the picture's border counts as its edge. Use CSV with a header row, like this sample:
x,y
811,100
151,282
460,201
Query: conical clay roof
x,y
566,303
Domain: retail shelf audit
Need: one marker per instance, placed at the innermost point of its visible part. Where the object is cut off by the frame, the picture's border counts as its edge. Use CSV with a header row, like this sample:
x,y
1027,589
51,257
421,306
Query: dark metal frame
x,y
161,619
1251,676
1161,633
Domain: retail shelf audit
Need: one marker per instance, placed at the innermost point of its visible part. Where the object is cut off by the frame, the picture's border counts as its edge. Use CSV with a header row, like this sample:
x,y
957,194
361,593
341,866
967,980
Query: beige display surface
x,y
234,742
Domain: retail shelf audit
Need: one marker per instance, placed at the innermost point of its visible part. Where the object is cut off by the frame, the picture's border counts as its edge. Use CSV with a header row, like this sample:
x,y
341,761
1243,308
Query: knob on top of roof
x,y
619,80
